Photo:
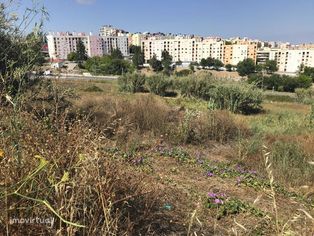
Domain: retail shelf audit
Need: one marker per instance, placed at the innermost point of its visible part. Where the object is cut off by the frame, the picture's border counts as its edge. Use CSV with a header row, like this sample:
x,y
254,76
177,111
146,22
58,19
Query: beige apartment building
x,y
239,51
183,48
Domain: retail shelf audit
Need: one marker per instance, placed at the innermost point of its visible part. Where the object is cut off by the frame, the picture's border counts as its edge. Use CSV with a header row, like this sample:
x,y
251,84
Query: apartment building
x,y
182,48
109,30
289,60
61,44
238,51
110,43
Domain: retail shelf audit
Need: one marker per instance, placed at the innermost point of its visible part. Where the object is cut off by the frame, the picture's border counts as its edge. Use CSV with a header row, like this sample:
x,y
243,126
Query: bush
x,y
93,88
237,98
305,96
132,83
108,65
183,73
280,83
218,126
195,87
159,84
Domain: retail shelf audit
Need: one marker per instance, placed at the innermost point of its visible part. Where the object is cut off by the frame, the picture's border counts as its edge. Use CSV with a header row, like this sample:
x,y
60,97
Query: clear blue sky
x,y
282,20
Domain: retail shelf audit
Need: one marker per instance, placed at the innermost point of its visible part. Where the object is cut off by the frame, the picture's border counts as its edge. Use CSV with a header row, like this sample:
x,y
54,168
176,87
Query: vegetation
x,y
138,56
246,67
309,71
108,65
159,84
211,62
132,83
98,161
282,83
166,61
155,64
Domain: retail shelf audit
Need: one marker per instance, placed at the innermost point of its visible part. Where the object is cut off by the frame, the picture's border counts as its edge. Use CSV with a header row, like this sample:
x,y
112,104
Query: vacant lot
x,y
156,166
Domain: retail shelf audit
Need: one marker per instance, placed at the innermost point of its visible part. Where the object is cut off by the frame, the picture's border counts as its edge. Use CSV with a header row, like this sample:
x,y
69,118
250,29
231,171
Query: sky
x,y
271,20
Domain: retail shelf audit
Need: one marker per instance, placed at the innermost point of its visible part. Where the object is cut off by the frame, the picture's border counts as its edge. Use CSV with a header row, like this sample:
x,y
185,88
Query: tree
x,y
116,54
271,66
229,67
166,60
309,71
138,56
81,51
246,67
210,62
72,56
218,64
203,63
155,64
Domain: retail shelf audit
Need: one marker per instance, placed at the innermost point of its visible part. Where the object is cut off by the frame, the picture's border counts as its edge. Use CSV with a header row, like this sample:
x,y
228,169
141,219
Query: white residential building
x,y
61,44
289,60
115,42
182,48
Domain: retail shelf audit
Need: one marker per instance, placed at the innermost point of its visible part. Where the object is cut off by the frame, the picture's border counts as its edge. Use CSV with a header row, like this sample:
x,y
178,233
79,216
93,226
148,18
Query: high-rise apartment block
x,y
289,60
60,45
194,49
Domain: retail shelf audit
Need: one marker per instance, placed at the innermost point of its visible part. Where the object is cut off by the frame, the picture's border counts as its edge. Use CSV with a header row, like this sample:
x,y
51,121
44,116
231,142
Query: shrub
x,y
159,84
237,98
305,95
183,73
132,83
281,83
218,126
93,88
195,87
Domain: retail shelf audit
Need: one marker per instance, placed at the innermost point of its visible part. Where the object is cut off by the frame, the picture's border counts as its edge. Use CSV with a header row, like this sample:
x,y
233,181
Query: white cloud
x,y
85,2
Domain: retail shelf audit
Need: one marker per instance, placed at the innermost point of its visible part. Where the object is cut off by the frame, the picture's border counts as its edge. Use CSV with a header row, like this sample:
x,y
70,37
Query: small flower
x,y
210,174
218,201
212,195
239,180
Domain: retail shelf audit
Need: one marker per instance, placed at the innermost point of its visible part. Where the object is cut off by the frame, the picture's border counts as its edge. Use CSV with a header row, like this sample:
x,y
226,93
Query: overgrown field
x,y
101,161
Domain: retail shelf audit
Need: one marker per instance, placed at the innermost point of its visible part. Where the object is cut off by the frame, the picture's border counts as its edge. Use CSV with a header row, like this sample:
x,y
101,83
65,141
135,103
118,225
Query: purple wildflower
x,y
210,174
218,201
212,195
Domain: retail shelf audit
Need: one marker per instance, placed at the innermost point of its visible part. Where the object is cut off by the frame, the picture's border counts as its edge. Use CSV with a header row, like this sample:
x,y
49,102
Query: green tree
x,y
271,66
203,63
155,64
229,67
81,51
138,56
309,71
166,60
116,54
210,62
72,56
246,67
218,64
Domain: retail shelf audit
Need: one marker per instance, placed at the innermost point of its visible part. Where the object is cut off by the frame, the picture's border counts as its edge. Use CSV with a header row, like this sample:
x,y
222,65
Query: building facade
x,y
182,48
289,60
60,45
238,51
110,43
